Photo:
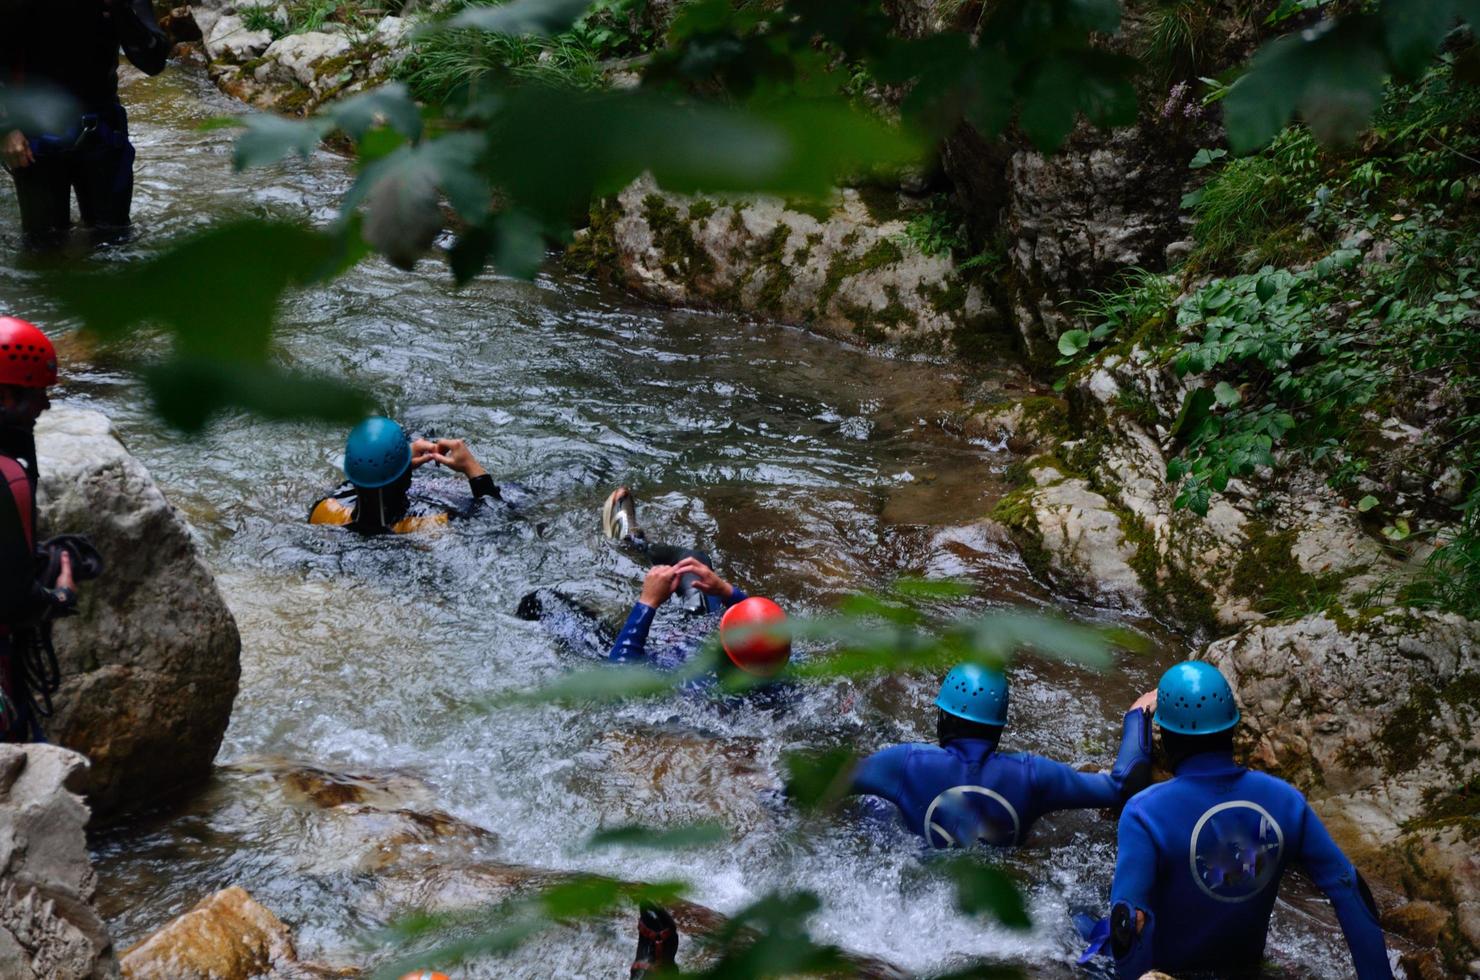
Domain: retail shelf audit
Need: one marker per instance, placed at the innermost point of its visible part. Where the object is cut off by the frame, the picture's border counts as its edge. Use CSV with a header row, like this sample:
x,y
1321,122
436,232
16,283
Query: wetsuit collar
x,y
971,749
1208,764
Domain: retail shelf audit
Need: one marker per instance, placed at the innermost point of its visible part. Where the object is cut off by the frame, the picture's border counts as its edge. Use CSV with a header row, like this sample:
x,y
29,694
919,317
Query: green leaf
x,y
1266,289
270,139
1226,394
1367,503
1196,406
670,839
520,17
933,589
1071,342
982,889
187,391
37,107
1050,104
393,103
1205,157
1413,29
818,780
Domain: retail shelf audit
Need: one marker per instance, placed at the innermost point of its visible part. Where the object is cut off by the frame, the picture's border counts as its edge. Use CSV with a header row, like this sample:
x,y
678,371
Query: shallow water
x,y
809,470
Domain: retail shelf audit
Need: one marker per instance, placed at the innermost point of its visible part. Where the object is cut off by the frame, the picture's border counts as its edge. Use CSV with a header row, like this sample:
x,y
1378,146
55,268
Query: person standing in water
x,y
963,791
378,496
72,46
1201,856
751,627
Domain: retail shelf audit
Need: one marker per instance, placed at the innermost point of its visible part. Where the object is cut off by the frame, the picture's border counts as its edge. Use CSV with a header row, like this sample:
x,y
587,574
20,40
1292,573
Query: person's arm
x,y
631,642
1060,787
1348,894
24,598
706,580
1133,896
455,455
880,774
143,42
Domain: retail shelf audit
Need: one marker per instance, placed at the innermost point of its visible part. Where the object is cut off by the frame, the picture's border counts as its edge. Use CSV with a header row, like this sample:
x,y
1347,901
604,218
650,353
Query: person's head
x,y
28,366
377,454
1195,711
972,703
755,638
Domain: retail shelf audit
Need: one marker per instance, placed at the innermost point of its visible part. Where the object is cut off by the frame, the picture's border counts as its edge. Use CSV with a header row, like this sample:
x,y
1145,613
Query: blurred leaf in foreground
x,y
187,391
37,107
672,838
983,889
769,939
818,780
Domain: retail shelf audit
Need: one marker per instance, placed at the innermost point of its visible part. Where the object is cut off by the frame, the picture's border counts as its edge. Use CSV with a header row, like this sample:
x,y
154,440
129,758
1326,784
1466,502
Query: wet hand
x,y
705,579
1146,702
421,451
15,150
64,576
455,455
658,585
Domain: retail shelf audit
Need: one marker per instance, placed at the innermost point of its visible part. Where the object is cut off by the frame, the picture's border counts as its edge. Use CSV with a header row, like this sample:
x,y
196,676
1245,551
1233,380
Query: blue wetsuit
x,y
967,792
1202,856
631,644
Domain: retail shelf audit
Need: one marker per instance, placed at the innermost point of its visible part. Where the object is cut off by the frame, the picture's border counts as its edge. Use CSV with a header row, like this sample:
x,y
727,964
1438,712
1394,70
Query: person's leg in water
x,y
43,188
619,523
657,942
103,175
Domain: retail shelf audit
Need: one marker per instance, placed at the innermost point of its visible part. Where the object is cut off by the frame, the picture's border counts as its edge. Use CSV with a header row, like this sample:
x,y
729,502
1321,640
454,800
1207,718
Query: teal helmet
x,y
376,453
975,693
1192,698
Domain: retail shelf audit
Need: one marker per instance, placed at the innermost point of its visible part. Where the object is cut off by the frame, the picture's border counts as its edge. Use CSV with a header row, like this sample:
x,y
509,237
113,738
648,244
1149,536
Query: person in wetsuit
x,y
72,46
378,497
963,791
751,631
1201,856
29,598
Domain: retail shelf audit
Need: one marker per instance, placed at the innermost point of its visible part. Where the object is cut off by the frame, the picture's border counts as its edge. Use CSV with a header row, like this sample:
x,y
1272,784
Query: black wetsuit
x,y
26,602
73,45
396,508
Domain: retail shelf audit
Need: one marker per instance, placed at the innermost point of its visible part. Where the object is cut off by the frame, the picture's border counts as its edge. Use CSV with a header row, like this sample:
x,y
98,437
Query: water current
x,y
810,470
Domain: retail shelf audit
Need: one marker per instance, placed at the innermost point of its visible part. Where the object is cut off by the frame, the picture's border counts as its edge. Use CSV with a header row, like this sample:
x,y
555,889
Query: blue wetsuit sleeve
x,y
1060,787
1133,890
736,596
632,640
1329,868
881,774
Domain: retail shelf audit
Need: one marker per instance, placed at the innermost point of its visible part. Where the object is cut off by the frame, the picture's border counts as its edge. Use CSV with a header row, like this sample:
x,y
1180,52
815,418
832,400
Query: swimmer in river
x,y
379,495
964,792
750,626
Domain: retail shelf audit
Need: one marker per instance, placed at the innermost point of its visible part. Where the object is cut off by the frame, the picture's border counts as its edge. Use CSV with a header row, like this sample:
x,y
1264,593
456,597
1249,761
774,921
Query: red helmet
x,y
27,358
749,643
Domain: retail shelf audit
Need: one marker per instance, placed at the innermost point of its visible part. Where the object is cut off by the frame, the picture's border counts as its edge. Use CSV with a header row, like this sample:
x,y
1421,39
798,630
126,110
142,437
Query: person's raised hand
x,y
64,574
15,150
421,451
455,455
1146,702
658,585
705,579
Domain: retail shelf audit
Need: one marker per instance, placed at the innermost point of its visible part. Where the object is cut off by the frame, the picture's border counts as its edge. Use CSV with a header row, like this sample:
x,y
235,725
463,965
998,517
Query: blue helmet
x,y
376,453
975,693
1192,698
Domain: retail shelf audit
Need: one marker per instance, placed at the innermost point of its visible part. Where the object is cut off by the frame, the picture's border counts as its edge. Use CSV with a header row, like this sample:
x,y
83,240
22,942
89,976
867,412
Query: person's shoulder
x,y
1266,784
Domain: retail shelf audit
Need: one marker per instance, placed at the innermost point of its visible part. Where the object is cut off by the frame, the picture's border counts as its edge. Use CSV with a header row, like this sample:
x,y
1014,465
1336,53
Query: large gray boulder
x,y
49,929
1377,719
151,661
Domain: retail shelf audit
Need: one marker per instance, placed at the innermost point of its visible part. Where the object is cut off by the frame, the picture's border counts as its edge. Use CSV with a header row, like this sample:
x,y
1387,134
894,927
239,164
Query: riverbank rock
x,y
227,936
1377,719
49,929
843,268
151,661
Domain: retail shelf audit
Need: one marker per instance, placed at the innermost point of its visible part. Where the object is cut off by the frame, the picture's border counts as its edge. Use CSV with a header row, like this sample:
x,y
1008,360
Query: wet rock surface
x,y
150,663
1377,719
843,268
49,929
228,936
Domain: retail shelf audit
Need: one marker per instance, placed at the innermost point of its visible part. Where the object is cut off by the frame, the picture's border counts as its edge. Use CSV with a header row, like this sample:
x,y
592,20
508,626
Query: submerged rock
x,y
150,663
836,268
1377,719
48,926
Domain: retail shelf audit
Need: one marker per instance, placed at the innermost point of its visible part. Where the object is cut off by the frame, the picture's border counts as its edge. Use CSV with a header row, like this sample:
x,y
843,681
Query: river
x,y
809,469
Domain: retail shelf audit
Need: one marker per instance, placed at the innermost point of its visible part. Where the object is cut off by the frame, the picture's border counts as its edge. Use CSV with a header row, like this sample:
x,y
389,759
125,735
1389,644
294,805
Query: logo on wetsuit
x,y
966,815
1235,851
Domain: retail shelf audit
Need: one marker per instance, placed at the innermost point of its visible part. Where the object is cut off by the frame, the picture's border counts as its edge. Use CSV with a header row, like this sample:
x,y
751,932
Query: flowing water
x,y
808,469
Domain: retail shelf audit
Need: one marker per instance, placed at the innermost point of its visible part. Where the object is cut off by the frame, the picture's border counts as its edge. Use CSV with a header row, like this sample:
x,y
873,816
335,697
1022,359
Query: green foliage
x,y
1126,314
302,16
1174,42
1251,204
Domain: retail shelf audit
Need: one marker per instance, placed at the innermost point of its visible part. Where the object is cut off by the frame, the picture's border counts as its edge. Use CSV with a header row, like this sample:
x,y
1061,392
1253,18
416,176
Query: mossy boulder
x,y
835,267
1376,717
